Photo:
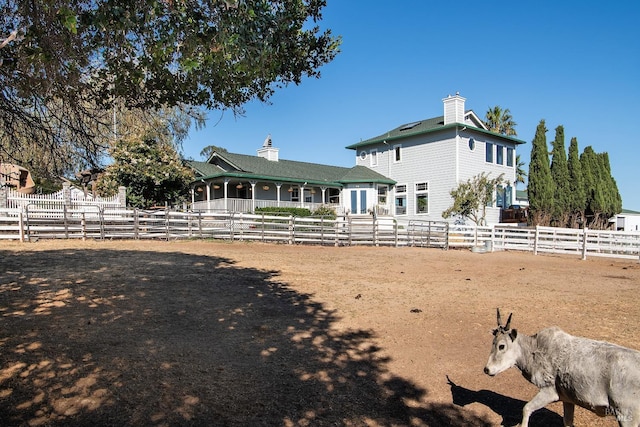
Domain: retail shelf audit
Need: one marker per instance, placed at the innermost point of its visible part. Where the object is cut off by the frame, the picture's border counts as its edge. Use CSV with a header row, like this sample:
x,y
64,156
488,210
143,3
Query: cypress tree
x,y
560,176
577,199
593,188
541,188
611,195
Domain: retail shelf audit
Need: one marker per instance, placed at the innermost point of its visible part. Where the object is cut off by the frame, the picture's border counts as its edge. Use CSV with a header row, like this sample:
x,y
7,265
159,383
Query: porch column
x,y
253,195
226,193
208,193
193,195
324,191
278,186
302,195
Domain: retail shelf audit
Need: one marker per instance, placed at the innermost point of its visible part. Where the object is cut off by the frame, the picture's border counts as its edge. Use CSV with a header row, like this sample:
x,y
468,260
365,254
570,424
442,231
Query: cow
x,y
596,375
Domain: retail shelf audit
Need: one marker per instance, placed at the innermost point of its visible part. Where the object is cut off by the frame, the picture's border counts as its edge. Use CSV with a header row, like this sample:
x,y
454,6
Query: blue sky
x,y
571,63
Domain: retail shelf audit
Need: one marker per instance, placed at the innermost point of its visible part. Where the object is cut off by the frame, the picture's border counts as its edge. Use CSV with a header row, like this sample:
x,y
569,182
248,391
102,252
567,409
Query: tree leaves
x,y
149,54
471,197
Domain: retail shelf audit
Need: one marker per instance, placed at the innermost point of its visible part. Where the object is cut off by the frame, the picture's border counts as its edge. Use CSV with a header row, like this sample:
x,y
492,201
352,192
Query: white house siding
x,y
627,221
427,158
473,162
431,158
364,207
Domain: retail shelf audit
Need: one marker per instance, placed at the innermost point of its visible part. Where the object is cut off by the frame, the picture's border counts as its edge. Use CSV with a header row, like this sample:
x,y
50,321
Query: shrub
x,y
275,210
325,211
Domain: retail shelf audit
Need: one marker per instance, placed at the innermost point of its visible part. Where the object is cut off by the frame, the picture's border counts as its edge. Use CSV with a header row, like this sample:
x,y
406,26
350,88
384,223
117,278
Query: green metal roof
x,y
259,168
422,127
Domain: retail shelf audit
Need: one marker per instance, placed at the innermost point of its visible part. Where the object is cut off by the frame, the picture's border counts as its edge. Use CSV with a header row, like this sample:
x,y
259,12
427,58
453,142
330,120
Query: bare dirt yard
x,y
202,333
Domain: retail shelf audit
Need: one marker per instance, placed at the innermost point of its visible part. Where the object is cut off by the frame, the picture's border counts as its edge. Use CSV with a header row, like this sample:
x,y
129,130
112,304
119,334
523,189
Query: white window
x,y
509,156
422,198
401,199
397,153
382,194
374,157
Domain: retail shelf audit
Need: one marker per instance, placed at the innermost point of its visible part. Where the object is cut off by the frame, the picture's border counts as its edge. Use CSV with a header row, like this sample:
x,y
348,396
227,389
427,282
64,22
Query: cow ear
x,y
513,334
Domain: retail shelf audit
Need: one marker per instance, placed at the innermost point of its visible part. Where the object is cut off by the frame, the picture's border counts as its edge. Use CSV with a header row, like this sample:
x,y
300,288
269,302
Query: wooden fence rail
x,y
93,222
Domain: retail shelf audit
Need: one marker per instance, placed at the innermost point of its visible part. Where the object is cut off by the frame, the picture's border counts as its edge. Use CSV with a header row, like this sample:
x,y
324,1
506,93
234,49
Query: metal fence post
x,y
584,243
535,240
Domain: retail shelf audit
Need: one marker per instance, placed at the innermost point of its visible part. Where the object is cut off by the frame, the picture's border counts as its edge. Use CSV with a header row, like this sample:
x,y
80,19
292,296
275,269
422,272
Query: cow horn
x,y
499,320
506,327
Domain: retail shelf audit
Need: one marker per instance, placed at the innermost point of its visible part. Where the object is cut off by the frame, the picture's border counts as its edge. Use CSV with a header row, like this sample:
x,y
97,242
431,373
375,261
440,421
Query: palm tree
x,y
500,121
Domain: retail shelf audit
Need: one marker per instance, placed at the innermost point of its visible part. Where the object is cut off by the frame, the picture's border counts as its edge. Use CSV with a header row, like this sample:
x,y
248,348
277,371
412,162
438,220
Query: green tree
x,y
541,187
471,198
65,64
611,195
500,121
149,166
577,199
593,195
560,176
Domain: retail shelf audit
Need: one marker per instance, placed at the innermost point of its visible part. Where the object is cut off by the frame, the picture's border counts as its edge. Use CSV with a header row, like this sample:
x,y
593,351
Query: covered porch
x,y
238,195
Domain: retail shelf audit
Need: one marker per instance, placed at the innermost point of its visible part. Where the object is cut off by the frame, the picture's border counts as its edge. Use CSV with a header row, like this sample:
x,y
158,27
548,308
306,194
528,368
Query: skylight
x,y
409,126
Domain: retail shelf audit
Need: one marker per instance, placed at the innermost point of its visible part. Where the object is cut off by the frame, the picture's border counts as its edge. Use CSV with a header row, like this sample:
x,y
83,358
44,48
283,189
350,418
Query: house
x,y
430,157
241,183
627,220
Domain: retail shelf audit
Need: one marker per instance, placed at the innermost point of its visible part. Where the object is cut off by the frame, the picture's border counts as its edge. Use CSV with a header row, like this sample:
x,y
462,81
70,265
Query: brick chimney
x,y
453,109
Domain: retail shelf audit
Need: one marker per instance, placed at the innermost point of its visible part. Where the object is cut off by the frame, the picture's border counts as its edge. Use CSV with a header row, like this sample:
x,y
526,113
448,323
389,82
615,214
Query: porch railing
x,y
249,206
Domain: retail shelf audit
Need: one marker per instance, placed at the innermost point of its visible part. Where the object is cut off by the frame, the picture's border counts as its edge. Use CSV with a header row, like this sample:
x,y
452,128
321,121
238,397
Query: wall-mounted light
x,y
265,187
239,186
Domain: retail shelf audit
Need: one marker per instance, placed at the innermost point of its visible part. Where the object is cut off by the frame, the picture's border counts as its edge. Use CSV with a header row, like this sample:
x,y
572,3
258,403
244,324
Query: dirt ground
x,y
202,333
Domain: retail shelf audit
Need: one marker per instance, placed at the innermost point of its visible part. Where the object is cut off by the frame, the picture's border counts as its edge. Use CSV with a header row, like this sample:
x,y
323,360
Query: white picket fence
x,y
70,198
95,222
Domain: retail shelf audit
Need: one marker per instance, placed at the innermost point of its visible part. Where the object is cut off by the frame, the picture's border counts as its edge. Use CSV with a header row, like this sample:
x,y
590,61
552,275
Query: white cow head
x,y
505,350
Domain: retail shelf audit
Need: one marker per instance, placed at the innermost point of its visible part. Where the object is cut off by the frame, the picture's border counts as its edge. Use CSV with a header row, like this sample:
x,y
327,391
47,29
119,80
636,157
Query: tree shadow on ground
x,y
508,408
118,337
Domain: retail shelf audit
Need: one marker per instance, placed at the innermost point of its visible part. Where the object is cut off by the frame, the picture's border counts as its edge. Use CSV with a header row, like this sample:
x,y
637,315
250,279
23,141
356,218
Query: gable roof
x,y
254,167
426,126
